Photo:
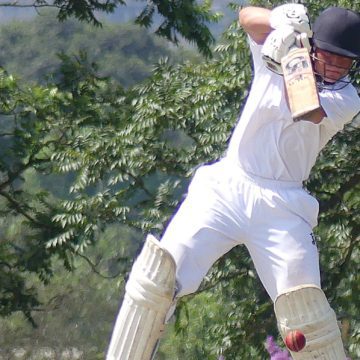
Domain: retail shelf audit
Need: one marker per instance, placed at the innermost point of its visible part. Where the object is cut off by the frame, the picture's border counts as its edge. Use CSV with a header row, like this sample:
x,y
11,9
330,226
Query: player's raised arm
x,y
256,22
279,30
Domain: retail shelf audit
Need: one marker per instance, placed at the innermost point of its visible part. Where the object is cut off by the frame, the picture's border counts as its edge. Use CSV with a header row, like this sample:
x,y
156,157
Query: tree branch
x,y
33,5
342,267
225,278
19,209
94,268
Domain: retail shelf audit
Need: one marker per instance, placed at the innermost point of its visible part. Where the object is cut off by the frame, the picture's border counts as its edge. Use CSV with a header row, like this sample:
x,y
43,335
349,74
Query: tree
x,y
186,18
77,308
30,127
121,51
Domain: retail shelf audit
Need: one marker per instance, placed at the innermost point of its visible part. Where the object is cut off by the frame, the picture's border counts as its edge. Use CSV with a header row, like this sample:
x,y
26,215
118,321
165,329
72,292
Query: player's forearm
x,y
255,21
315,116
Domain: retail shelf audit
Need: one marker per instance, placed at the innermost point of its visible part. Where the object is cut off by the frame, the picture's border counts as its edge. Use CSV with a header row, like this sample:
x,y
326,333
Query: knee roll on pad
x,y
148,297
306,308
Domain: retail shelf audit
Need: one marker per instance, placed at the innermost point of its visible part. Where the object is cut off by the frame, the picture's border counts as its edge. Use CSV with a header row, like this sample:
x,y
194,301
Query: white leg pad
x,y
149,294
306,308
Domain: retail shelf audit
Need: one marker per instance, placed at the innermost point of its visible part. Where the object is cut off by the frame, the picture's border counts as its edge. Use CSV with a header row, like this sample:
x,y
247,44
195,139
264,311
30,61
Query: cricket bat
x,y
300,83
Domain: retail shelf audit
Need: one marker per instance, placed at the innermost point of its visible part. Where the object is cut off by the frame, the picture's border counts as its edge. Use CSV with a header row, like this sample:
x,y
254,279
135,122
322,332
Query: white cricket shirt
x,y
266,142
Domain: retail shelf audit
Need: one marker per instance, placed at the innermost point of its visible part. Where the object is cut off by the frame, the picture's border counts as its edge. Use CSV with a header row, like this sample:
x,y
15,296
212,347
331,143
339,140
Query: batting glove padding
x,y
294,15
277,45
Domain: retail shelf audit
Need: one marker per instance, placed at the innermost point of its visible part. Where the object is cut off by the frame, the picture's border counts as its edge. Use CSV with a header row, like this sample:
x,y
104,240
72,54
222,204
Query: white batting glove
x,y
302,41
294,15
277,45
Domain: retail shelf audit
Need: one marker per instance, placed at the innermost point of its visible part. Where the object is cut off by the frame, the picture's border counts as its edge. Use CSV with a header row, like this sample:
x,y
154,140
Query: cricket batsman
x,y
254,195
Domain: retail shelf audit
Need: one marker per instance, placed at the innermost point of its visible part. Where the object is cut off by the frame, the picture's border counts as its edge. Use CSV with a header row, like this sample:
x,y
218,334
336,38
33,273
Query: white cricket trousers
x,y
226,207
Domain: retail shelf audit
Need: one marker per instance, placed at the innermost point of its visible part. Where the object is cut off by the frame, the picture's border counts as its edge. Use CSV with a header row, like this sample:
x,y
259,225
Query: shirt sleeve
x,y
341,107
256,55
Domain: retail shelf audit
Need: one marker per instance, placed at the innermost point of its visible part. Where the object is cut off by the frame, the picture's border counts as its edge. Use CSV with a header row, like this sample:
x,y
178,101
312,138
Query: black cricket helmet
x,y
338,30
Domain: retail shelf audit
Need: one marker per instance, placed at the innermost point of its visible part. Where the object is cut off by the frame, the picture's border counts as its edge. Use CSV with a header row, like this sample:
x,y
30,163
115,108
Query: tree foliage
x,y
30,49
186,18
77,308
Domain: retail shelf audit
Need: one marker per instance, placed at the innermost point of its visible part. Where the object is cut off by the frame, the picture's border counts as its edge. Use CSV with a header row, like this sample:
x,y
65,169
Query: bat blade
x,y
300,83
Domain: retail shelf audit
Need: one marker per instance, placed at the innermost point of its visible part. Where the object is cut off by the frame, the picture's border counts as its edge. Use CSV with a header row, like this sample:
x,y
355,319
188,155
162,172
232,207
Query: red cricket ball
x,y
295,340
